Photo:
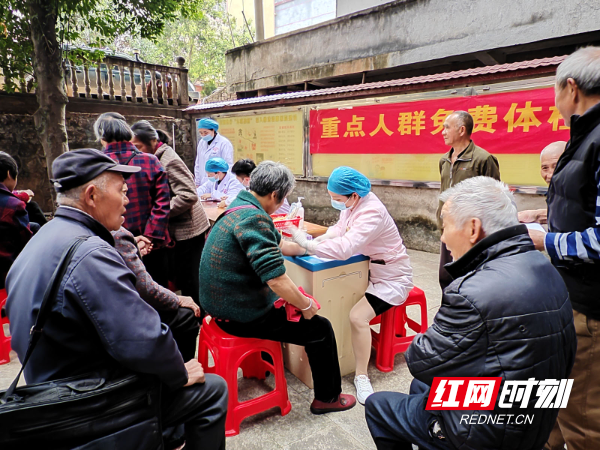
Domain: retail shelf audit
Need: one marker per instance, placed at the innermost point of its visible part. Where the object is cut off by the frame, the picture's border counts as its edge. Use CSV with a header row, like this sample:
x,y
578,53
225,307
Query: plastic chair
x,y
230,353
392,338
4,340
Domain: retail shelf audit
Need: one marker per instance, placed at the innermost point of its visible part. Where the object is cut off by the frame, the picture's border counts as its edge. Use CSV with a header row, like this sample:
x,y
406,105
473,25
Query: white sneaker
x,y
363,388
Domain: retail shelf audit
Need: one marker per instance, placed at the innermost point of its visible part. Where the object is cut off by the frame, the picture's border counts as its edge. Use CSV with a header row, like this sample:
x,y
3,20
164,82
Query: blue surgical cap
x,y
346,180
209,124
216,165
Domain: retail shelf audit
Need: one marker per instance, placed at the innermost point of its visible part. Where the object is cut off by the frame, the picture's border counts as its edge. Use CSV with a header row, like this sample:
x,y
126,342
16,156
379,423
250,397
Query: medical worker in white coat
x,y
210,145
364,227
242,170
221,184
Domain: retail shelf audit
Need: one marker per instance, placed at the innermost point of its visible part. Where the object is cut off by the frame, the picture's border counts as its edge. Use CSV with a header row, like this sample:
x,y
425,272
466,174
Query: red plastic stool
x,y
392,338
229,353
4,340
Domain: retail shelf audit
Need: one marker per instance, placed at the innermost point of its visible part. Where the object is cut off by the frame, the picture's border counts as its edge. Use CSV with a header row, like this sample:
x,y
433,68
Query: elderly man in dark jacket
x,y
99,324
506,314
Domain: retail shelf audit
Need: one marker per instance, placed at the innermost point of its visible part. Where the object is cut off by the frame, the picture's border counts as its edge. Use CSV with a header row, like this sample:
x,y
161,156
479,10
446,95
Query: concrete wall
x,y
405,32
413,210
350,6
19,139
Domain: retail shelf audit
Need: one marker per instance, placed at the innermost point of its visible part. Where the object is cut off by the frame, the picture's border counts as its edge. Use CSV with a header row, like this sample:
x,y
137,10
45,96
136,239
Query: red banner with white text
x,y
522,122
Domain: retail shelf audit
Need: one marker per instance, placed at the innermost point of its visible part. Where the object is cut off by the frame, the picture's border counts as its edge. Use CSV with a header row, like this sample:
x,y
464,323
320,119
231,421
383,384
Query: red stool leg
x,y
204,346
227,368
423,316
4,340
280,382
385,356
400,322
4,347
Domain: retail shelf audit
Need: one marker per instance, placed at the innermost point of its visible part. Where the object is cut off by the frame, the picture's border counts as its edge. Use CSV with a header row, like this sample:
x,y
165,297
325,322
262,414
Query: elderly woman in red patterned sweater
x,y
148,191
178,312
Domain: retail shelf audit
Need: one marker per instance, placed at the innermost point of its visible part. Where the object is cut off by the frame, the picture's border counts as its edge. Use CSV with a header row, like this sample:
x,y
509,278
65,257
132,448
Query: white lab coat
x,y
369,229
220,147
228,186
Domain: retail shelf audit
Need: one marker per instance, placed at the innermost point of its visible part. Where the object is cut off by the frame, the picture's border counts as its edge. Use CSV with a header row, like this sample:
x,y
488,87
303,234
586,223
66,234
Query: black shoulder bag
x,y
81,412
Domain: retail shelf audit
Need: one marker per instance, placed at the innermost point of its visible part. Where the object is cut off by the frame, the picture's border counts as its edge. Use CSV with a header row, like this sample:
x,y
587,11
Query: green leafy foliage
x,y
16,48
100,20
202,38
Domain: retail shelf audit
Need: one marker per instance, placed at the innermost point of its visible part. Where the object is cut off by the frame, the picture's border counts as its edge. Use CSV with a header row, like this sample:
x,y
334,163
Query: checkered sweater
x,y
148,193
241,255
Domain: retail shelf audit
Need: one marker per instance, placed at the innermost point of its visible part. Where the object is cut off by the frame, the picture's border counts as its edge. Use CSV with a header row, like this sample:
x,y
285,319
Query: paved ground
x,y
300,429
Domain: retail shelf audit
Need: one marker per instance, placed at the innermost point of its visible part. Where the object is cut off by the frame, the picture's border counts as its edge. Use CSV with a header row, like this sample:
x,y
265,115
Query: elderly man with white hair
x,y
505,314
573,242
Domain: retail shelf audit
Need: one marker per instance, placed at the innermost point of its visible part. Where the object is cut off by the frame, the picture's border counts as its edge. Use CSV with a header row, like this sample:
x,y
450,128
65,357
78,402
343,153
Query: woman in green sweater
x,y
242,275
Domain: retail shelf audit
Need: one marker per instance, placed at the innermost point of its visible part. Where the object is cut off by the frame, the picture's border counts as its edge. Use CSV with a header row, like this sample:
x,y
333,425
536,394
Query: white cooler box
x,y
337,286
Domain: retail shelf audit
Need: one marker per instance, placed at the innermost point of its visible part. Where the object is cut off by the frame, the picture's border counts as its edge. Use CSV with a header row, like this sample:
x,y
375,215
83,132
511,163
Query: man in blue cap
x,y
211,145
102,326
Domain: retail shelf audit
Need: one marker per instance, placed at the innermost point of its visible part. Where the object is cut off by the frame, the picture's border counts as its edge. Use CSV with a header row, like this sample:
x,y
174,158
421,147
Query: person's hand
x,y
222,204
195,372
30,193
312,311
297,236
144,244
188,302
538,238
205,196
224,197
528,216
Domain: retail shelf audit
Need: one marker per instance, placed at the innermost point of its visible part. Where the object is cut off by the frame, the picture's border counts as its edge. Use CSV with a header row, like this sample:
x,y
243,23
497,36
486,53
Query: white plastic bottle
x,y
300,213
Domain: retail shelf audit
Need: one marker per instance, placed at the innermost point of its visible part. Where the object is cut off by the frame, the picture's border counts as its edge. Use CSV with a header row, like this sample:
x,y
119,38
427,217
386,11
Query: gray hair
x,y
270,176
72,196
112,127
144,131
464,120
484,198
584,67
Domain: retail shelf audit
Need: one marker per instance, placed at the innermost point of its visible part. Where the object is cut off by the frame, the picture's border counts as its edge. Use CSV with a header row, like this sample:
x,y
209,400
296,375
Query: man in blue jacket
x,y
506,314
99,324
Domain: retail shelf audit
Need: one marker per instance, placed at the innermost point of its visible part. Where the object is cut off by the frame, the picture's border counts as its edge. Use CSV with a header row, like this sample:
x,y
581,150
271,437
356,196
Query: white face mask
x,y
341,206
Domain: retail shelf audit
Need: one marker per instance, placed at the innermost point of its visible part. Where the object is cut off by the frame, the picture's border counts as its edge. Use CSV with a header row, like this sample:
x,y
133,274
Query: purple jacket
x,y
14,230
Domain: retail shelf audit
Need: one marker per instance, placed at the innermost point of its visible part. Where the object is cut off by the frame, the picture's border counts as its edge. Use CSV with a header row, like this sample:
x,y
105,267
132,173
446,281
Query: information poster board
x,y
403,141
276,137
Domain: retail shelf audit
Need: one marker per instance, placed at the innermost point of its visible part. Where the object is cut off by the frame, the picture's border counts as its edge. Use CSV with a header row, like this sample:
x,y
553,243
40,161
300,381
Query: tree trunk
x,y
50,92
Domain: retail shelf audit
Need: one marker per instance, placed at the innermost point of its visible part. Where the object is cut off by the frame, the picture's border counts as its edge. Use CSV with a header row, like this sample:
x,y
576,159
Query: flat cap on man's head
x,y
77,167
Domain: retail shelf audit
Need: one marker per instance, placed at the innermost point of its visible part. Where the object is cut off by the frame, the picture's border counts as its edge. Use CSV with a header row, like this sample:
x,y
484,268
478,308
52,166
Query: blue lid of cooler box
x,y
316,264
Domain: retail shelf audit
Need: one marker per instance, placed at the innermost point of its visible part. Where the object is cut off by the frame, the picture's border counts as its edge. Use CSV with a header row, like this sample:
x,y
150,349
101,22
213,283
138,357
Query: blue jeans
x,y
396,421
